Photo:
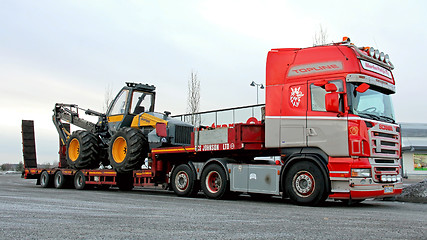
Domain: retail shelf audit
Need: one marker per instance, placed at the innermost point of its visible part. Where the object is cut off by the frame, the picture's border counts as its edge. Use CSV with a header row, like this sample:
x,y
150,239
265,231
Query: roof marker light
x,y
382,57
387,59
371,52
377,54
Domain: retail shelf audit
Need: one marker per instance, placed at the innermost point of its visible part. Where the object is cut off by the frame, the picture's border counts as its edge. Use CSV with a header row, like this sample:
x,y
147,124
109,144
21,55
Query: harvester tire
x,y
82,150
127,150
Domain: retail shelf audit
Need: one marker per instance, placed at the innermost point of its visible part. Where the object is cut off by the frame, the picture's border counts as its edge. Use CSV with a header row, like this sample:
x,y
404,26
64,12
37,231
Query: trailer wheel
x,y
183,181
128,149
304,184
214,181
45,180
59,180
82,150
80,180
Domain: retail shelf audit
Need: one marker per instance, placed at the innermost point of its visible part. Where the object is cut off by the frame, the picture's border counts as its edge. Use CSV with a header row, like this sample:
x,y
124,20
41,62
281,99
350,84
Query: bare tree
x,y
108,97
193,100
320,37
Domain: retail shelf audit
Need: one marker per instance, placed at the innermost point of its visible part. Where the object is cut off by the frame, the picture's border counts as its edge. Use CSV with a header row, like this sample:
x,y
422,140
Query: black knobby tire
x,y
183,181
305,184
46,180
127,150
82,150
80,181
59,180
214,182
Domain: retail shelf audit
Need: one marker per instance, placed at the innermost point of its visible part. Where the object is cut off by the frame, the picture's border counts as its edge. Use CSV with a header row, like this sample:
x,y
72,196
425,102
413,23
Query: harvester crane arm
x,y
70,113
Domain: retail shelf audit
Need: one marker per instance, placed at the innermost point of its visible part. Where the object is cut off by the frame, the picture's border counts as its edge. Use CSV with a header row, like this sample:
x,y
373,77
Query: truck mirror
x,y
330,87
321,83
363,87
332,102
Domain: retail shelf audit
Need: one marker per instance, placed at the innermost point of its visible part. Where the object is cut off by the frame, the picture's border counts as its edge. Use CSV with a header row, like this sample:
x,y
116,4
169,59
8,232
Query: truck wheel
x,y
183,181
80,180
45,180
128,149
304,184
59,180
82,150
214,181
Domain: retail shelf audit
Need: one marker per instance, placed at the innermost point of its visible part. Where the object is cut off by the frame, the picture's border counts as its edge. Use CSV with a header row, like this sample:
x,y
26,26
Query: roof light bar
x,y
377,55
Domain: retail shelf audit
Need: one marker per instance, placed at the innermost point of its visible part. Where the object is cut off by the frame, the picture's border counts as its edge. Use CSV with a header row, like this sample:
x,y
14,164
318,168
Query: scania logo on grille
x,y
386,127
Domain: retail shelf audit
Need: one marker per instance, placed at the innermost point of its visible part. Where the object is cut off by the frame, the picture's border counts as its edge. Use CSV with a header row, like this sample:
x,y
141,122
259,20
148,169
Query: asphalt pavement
x,y
28,211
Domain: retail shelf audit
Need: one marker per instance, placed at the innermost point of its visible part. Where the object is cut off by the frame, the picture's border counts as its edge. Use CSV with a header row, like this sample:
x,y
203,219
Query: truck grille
x,y
380,160
384,144
183,135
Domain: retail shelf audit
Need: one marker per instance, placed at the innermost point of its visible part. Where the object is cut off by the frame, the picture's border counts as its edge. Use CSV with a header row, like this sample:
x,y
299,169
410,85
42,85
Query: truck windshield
x,y
371,104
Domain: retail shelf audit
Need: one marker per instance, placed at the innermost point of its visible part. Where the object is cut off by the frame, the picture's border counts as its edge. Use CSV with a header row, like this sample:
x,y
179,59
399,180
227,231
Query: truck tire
x,y
82,150
305,184
183,181
59,180
45,180
127,150
214,182
79,181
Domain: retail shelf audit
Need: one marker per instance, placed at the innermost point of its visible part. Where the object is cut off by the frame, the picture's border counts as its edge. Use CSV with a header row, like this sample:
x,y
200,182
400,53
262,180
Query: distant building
x,y
414,150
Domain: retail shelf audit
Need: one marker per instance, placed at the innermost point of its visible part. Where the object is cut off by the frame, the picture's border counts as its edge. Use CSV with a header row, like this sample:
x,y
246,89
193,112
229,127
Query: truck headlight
x,y
361,172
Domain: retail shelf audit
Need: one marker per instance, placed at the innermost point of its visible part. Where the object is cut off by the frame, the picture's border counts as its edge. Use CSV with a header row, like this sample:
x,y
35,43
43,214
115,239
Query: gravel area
x,y
416,193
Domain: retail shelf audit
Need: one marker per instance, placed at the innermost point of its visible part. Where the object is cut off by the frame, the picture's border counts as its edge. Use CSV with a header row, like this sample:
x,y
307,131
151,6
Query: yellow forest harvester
x,y
123,136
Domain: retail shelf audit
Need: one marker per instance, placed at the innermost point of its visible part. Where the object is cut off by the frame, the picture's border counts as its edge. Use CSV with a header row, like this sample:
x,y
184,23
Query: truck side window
x,y
318,95
119,105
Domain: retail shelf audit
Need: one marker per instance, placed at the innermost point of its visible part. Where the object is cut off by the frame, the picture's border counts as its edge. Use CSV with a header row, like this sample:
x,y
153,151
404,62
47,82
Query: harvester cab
x,y
132,100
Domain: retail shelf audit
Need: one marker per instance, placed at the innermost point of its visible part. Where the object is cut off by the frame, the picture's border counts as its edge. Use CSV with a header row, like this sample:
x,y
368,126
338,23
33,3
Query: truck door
x,y
325,130
293,122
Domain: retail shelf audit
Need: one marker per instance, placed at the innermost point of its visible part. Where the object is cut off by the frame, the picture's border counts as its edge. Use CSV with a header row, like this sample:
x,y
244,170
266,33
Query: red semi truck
x,y
328,120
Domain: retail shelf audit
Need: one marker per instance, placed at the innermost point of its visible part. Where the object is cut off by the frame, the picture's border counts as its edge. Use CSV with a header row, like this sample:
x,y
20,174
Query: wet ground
x,y
30,212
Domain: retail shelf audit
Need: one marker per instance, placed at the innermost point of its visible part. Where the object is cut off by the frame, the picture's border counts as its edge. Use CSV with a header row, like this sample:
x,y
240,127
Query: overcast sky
x,y
72,51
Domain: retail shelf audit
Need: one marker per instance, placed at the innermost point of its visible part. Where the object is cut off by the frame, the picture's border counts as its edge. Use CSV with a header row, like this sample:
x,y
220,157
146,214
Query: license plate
x,y
388,189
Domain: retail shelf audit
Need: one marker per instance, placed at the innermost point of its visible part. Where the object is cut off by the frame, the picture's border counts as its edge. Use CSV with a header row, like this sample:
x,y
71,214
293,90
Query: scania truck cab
x,y
333,103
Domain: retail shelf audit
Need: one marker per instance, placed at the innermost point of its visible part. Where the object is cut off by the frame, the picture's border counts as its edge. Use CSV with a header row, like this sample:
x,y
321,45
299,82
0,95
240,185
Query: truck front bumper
x,y
363,188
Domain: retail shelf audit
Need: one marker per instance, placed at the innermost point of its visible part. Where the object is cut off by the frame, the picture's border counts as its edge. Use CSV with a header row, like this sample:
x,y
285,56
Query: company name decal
x,y
375,68
215,147
315,68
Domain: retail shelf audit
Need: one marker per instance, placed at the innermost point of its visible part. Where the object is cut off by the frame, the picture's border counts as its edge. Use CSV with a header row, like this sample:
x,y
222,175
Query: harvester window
x,y
141,102
318,95
119,106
